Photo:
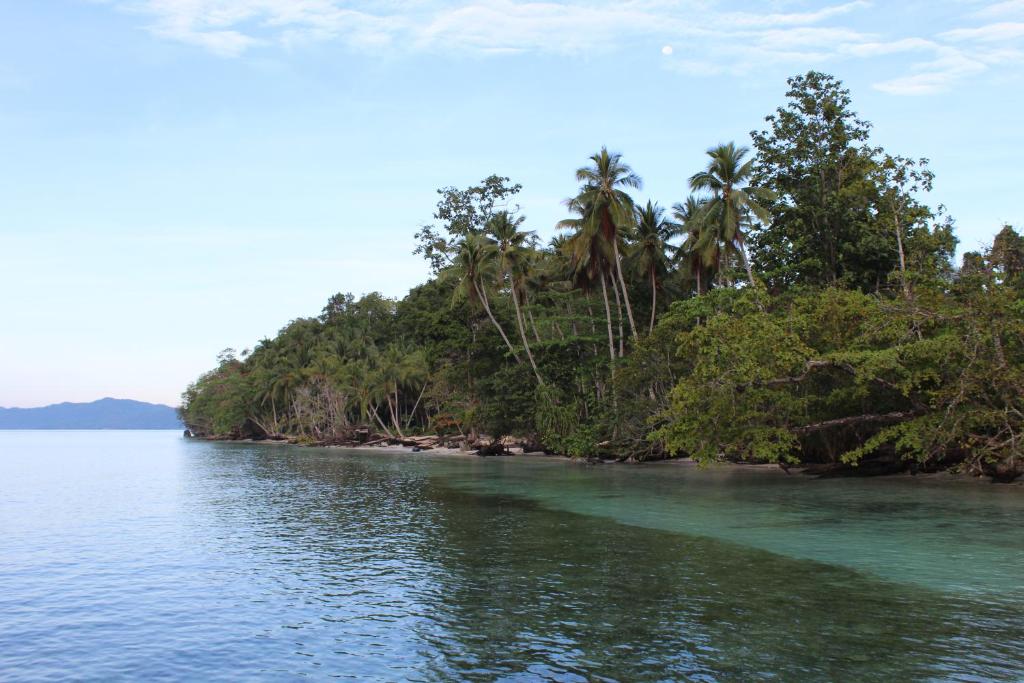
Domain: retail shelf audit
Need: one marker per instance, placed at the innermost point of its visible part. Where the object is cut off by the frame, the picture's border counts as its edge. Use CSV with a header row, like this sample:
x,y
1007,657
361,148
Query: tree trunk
x,y
415,406
654,300
522,335
746,264
383,426
903,260
618,308
529,312
608,317
625,292
480,292
533,324
394,413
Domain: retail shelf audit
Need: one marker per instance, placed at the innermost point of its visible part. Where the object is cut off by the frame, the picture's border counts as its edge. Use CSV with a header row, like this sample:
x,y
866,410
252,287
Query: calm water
x,y
138,555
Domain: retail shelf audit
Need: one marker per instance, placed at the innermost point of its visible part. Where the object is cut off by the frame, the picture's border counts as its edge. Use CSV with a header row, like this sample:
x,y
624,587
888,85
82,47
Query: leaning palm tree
x,y
512,247
733,204
474,266
648,254
611,206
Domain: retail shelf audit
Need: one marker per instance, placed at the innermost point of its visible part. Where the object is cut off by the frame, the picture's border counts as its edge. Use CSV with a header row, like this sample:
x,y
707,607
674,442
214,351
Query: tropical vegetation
x,y
800,305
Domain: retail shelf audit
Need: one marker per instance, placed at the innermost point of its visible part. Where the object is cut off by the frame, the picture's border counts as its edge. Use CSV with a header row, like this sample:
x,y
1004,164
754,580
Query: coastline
x,y
799,472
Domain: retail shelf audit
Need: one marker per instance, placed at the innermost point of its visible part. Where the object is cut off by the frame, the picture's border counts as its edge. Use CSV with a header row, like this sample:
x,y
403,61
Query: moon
x,y
667,50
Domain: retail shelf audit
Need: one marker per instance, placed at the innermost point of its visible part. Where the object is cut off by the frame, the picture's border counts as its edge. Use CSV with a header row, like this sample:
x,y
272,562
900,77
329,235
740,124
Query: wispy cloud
x,y
708,37
230,27
934,76
990,33
1002,9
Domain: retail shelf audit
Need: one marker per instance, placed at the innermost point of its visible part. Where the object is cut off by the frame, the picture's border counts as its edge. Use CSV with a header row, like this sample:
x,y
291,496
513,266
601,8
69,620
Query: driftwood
x,y
857,419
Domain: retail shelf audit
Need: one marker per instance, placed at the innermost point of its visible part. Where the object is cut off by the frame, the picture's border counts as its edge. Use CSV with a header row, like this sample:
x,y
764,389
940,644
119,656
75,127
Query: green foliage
x,y
561,427
841,205
462,213
850,338
838,375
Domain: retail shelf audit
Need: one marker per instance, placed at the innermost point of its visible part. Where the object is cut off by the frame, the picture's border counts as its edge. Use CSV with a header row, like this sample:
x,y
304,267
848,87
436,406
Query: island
x,y
801,305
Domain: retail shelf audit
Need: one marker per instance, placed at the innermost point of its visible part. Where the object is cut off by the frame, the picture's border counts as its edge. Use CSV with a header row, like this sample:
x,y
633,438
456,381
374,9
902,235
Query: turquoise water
x,y
139,555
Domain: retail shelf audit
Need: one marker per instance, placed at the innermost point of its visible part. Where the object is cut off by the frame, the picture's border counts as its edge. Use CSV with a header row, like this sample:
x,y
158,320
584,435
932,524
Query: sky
x,y
182,176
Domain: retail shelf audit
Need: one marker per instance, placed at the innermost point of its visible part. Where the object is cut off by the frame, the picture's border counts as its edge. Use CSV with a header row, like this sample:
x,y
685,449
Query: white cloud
x,y
880,49
749,20
934,76
1003,31
1002,9
229,27
707,37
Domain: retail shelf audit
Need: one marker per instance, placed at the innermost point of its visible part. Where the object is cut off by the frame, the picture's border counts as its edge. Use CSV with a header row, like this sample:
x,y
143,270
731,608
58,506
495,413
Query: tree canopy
x,y
801,306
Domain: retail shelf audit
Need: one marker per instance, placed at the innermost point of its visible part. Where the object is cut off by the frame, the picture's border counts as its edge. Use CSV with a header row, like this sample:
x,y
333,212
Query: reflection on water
x,y
137,555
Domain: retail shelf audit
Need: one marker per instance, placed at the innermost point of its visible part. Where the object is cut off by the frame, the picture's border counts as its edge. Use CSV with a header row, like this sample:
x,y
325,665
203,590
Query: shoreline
x,y
798,471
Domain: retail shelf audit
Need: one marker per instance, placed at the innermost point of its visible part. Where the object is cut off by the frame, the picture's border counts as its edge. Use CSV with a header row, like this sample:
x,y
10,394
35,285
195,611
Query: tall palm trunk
x,y
415,406
482,293
618,308
625,292
746,264
533,324
529,312
608,317
393,408
654,300
373,410
522,335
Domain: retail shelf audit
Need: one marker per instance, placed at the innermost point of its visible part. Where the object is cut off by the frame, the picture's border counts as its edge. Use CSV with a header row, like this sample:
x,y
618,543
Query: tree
x,y
611,207
698,247
589,257
814,157
462,213
732,205
512,248
898,179
648,253
1007,254
474,266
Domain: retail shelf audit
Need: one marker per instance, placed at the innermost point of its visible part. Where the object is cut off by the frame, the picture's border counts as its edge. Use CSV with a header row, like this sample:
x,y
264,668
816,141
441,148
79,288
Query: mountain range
x,y
106,413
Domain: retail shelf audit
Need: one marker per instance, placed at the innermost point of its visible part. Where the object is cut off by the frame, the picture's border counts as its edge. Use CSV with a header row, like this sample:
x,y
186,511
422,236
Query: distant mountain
x,y
107,413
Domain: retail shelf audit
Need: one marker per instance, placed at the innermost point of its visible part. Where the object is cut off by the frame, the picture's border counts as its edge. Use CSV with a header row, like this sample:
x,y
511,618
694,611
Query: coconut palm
x,y
612,207
588,254
732,204
648,253
475,265
698,250
512,248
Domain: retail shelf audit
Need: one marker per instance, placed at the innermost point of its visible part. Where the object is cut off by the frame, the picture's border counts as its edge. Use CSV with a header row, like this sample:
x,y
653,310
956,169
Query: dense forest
x,y
801,305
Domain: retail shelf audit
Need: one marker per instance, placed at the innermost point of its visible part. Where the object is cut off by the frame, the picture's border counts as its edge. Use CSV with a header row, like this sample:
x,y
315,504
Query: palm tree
x,y
587,251
475,266
512,245
612,207
648,254
732,203
697,247
400,367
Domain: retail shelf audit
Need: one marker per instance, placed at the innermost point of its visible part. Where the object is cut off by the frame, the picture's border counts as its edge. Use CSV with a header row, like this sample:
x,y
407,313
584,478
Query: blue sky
x,y
179,176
